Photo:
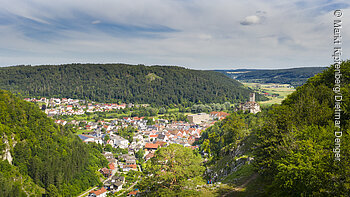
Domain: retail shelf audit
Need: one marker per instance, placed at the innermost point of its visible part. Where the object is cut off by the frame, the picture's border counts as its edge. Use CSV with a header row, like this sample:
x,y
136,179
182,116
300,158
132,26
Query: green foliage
x,y
172,172
242,173
108,148
49,154
294,150
161,85
144,111
174,117
150,121
13,184
139,154
162,110
52,191
127,132
223,136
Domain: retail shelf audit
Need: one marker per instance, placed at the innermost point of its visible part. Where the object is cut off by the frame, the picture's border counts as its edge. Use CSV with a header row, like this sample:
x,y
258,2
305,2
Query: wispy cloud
x,y
193,33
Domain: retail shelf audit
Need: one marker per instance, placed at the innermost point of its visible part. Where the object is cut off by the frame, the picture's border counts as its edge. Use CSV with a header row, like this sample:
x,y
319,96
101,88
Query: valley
x,y
122,148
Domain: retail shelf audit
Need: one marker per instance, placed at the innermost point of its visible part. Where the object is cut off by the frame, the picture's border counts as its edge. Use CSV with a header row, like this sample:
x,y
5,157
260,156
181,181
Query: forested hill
x,y
121,82
293,76
297,147
39,157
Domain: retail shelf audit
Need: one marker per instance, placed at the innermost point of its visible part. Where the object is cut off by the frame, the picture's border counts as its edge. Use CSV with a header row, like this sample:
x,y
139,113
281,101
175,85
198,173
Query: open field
x,y
283,90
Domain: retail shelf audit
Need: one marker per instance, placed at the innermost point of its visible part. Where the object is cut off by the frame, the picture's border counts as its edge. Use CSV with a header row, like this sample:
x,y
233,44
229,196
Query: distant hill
x,y
293,76
120,82
39,157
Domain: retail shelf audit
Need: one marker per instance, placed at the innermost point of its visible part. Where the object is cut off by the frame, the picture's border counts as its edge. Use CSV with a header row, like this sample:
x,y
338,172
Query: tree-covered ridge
x,y
120,82
295,149
49,154
293,76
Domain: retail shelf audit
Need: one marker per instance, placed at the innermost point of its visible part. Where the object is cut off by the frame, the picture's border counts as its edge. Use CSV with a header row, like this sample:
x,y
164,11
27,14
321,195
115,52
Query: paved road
x,y
87,192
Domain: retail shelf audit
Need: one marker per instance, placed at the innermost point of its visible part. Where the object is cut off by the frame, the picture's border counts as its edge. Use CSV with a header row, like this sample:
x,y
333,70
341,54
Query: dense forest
x,y
293,76
159,85
45,158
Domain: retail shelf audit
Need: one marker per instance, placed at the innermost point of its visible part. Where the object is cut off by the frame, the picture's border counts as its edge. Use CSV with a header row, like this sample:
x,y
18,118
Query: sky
x,y
197,34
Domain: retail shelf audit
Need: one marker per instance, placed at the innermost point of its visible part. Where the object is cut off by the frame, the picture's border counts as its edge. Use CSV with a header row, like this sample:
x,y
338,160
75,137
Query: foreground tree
x,y
173,171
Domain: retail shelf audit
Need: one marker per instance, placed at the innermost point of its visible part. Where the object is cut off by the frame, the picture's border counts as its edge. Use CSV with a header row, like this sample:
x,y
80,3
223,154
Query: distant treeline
x,y
161,85
293,76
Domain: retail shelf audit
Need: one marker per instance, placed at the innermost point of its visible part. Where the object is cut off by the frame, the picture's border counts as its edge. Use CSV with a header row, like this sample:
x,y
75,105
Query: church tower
x,y
252,97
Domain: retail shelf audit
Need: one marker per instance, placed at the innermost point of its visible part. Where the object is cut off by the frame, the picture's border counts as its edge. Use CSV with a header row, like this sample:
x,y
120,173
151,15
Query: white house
x,y
119,141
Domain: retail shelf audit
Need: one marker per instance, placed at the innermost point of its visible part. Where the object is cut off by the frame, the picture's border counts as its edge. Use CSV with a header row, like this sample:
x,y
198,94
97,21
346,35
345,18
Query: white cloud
x,y
251,20
223,33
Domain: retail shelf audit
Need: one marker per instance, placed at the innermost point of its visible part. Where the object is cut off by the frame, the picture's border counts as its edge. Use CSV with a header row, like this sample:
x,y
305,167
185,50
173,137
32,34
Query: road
x,y
109,178
131,186
87,192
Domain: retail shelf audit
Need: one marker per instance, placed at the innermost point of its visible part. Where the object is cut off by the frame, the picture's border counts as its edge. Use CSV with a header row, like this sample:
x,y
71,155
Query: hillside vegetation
x,y
46,158
126,83
295,145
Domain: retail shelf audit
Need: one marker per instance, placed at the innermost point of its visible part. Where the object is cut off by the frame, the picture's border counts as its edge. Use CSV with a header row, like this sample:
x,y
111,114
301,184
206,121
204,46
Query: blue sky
x,y
199,34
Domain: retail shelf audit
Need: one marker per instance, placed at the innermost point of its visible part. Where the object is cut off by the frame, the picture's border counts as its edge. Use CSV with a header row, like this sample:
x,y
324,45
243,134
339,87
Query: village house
x,y
108,155
127,168
98,193
149,156
151,147
119,141
218,115
133,193
115,184
106,172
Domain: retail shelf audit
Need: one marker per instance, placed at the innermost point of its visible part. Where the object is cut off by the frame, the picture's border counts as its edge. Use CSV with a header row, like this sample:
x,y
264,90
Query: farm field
x,y
282,90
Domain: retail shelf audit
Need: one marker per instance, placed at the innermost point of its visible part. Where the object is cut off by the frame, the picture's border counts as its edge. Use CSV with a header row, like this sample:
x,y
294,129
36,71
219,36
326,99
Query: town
x,y
129,142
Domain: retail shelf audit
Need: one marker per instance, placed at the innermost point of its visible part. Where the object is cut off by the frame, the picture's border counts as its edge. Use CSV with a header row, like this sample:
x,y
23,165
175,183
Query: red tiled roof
x,y
150,145
133,192
132,166
161,143
149,155
100,191
105,170
219,113
111,166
